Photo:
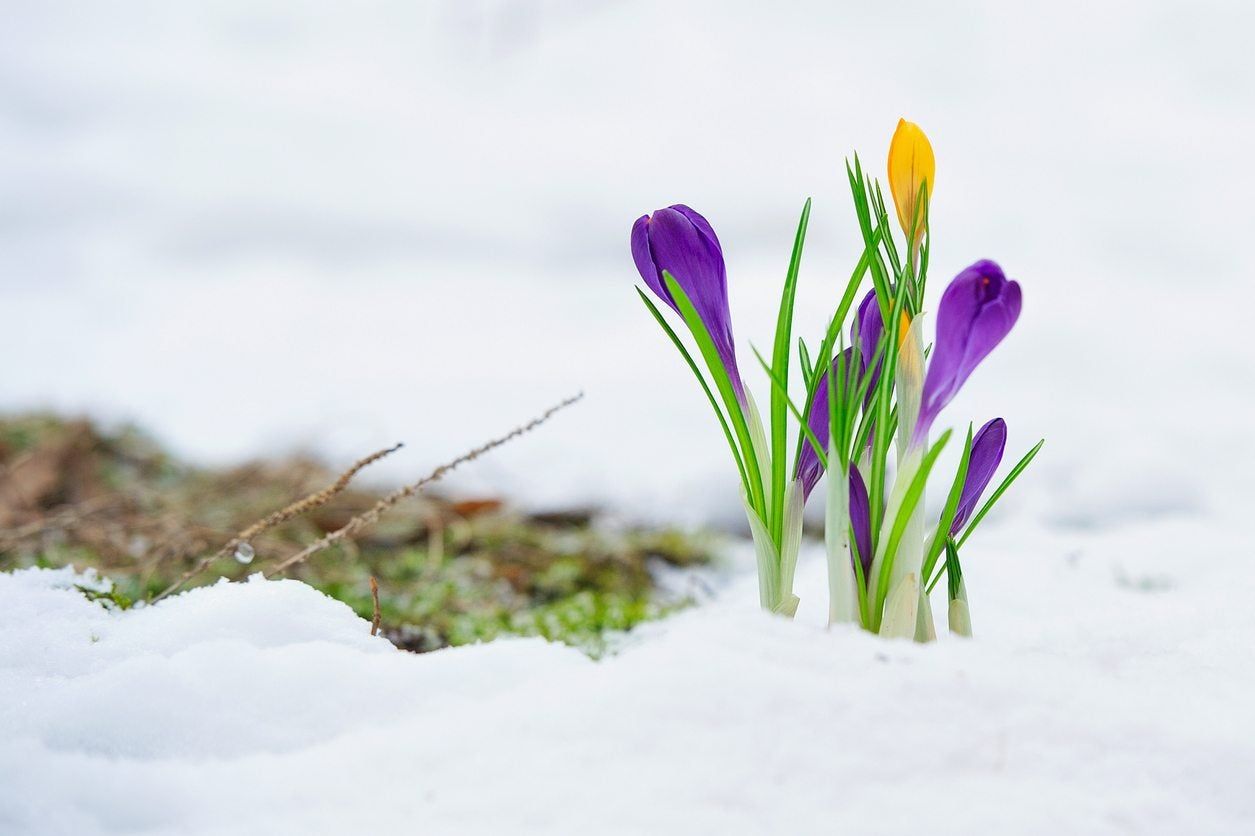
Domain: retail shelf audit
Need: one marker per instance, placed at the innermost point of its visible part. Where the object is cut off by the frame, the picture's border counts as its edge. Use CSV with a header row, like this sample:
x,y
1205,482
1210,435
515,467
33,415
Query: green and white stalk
x,y
777,564
782,551
879,589
790,545
777,556
893,591
925,626
910,387
767,556
904,592
960,615
842,590
762,451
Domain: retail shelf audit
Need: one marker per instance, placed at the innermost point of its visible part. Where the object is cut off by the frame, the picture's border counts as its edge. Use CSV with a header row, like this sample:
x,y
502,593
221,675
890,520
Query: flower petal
x,y
988,445
645,261
679,240
911,167
977,311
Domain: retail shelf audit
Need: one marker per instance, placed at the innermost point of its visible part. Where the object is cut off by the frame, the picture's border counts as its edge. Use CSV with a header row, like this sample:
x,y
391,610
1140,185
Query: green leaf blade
x,y
780,371
1002,488
723,383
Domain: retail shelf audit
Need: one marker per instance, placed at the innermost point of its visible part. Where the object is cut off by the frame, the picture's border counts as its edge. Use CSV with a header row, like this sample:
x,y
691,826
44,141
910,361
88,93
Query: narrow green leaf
x,y
941,570
834,408
710,396
801,419
916,219
882,430
924,247
780,371
837,323
808,369
723,383
858,190
954,572
913,493
835,326
882,217
1006,483
861,584
952,505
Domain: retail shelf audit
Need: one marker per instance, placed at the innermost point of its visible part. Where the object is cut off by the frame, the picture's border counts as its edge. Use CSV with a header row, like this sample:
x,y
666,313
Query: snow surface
x,y
254,224
1107,691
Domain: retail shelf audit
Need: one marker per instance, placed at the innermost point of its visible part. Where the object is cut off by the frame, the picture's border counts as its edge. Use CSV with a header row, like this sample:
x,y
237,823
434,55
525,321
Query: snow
x,y
253,225
1107,691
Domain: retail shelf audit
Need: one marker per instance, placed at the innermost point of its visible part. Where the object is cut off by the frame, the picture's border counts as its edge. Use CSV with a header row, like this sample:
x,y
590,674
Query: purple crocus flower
x,y
861,519
870,328
987,447
809,468
680,241
977,310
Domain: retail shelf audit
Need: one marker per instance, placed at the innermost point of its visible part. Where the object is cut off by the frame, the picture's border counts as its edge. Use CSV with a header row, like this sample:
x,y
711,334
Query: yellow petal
x,y
911,166
904,327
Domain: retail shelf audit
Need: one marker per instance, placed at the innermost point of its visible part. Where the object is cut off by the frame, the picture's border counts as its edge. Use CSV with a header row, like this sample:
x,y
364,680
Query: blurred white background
x,y
258,226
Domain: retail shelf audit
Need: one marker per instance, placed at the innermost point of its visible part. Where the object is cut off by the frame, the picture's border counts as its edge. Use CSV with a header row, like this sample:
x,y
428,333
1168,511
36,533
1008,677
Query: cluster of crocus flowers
x,y
870,403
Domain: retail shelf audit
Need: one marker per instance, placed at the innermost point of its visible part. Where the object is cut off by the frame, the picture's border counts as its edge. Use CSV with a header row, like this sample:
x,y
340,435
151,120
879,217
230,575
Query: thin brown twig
x,y
371,515
301,506
374,599
314,500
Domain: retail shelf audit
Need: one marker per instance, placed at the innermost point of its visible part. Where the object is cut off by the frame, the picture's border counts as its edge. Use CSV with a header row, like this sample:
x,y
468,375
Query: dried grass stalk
x,y
314,500
301,506
374,600
371,515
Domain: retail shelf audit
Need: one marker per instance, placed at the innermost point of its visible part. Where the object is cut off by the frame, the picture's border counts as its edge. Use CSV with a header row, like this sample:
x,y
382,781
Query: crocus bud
x,y
987,448
680,241
911,169
976,311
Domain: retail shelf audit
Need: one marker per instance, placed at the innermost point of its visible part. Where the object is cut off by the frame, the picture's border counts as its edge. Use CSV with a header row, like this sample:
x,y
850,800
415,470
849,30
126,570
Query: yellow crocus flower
x,y
911,168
